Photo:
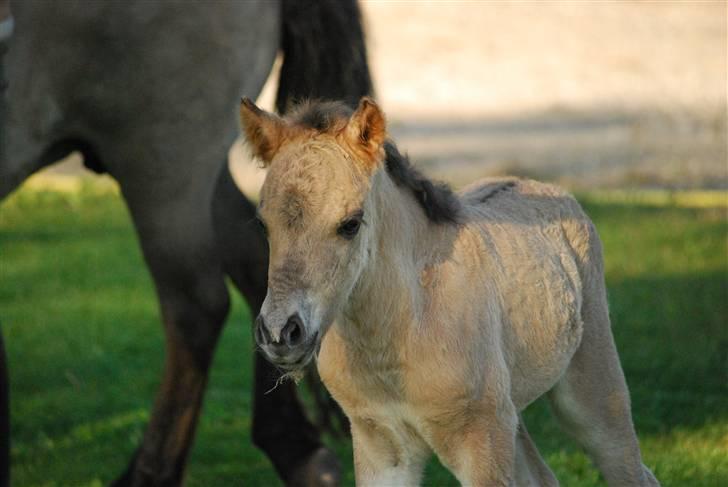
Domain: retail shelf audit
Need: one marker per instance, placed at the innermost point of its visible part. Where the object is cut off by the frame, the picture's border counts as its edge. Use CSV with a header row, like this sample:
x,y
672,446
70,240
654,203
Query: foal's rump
x,y
539,245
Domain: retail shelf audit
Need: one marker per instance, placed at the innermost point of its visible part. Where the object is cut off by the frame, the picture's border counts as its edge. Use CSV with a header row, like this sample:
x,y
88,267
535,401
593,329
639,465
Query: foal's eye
x,y
350,227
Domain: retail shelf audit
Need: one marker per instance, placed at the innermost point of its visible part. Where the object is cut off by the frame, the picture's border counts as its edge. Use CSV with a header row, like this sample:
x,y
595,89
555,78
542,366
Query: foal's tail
x,y
324,54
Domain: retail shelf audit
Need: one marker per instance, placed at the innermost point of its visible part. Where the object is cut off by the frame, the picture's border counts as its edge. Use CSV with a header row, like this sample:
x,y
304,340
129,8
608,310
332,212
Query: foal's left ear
x,y
366,130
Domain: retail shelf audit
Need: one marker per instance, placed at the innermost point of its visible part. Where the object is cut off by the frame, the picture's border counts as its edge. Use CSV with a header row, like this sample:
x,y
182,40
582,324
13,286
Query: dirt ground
x,y
589,94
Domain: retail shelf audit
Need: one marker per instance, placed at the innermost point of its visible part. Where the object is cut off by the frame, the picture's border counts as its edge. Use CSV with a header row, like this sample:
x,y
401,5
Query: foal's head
x,y
314,208
319,214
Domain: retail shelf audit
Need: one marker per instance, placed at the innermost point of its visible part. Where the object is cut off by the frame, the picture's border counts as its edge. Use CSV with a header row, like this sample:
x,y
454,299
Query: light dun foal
x,y
436,317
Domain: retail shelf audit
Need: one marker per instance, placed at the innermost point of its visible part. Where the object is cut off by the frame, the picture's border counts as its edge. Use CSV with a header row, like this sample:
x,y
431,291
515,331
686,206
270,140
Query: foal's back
x,y
540,247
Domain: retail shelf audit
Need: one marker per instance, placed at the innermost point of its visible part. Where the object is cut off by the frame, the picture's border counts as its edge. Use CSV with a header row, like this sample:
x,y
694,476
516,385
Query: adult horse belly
x,y
542,323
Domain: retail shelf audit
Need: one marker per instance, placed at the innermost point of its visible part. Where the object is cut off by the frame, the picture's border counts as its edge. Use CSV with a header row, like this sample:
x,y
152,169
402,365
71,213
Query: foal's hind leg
x,y
530,470
592,401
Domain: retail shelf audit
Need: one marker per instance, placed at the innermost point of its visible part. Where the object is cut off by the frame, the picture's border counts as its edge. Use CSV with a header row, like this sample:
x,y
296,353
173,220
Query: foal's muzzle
x,y
289,349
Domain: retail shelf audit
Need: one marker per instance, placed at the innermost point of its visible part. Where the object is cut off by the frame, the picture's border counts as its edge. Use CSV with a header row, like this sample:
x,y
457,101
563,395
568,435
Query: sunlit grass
x,y
663,198
85,346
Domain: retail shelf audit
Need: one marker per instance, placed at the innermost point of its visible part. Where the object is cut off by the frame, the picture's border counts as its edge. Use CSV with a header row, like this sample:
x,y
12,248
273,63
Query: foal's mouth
x,y
296,365
285,364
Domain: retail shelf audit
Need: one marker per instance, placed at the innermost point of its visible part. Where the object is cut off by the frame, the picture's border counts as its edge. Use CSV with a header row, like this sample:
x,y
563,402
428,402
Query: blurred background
x,y
624,94
623,102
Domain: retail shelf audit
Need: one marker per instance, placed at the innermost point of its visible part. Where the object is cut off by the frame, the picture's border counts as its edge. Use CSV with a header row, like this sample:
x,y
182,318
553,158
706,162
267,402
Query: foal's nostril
x,y
262,336
292,333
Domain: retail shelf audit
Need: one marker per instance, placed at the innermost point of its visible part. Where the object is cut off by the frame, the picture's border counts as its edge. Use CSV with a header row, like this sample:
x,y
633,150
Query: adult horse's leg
x,y
591,401
194,303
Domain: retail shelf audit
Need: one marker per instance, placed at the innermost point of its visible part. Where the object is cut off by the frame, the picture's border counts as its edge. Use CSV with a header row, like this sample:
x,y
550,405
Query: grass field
x,y
85,346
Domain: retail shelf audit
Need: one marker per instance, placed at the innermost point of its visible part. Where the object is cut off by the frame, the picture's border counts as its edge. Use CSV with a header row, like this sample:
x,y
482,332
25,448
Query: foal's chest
x,y
359,379
402,406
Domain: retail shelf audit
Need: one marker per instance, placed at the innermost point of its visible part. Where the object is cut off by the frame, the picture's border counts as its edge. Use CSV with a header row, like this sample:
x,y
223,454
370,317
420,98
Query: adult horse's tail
x,y
324,55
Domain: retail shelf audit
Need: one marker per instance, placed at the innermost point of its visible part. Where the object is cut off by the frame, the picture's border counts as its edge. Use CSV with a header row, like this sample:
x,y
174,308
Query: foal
x,y
436,317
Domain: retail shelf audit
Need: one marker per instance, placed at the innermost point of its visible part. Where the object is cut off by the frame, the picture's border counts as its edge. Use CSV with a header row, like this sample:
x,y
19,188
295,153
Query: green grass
x,y
85,347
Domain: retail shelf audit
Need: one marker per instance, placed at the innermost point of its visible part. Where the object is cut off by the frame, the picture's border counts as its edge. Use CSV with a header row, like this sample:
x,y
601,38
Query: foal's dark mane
x,y
438,201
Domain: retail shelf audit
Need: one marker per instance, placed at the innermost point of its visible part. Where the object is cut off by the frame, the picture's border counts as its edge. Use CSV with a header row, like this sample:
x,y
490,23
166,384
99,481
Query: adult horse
x,y
148,92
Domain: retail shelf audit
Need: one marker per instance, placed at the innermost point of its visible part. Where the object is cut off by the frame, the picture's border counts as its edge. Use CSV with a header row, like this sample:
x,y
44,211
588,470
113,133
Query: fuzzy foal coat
x,y
450,329
487,323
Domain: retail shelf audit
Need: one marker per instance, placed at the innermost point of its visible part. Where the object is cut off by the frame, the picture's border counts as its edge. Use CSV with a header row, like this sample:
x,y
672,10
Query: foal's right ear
x,y
264,131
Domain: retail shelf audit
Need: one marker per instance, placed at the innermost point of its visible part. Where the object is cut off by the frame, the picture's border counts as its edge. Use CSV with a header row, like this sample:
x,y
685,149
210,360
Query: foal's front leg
x,y
481,451
382,459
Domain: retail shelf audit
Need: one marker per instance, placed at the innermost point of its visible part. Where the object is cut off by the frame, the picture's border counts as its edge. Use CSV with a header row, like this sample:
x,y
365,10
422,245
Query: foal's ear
x,y
366,130
263,130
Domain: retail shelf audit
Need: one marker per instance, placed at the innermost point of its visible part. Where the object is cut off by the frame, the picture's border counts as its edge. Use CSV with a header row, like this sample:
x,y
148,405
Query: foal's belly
x,y
542,323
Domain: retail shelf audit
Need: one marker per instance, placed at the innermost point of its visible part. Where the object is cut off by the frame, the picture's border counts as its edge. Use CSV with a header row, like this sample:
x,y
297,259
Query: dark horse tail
x,y
324,54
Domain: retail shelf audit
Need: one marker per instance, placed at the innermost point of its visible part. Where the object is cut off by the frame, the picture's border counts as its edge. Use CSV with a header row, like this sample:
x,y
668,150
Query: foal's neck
x,y
389,297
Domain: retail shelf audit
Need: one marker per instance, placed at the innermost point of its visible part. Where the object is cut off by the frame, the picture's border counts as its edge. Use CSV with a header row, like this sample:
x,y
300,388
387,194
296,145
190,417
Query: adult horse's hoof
x,y
321,469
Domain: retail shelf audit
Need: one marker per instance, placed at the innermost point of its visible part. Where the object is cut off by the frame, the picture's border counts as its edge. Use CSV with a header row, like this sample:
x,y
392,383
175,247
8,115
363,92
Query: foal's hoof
x,y
321,469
